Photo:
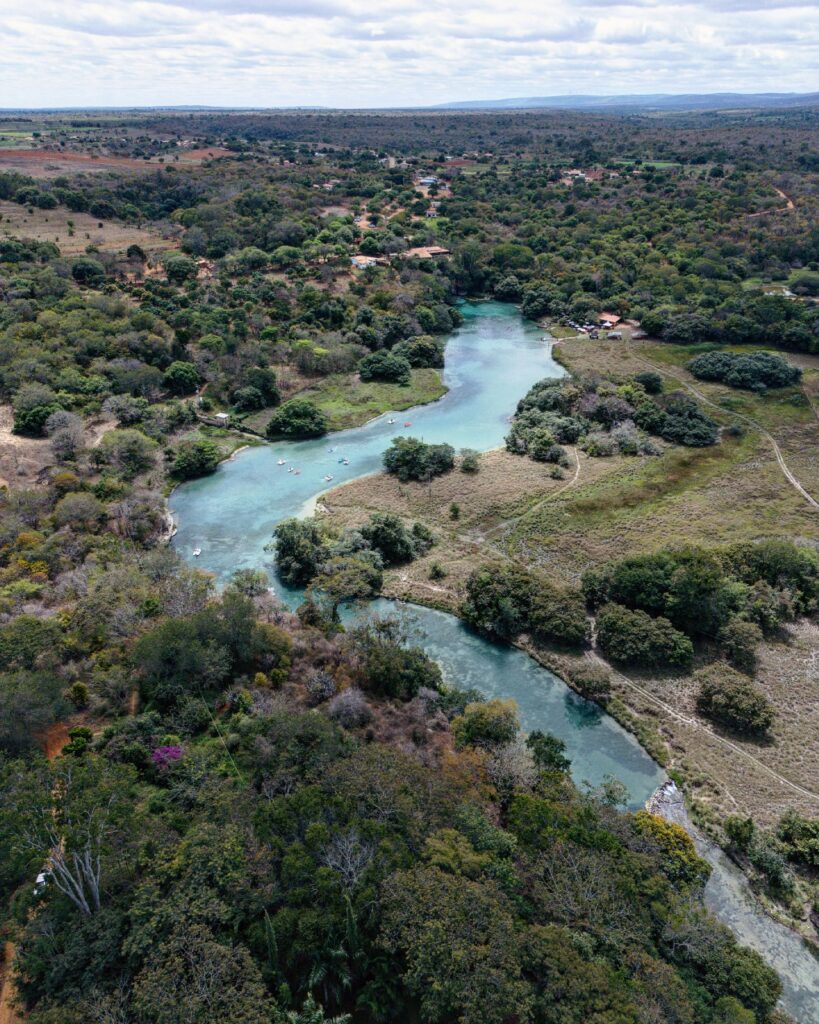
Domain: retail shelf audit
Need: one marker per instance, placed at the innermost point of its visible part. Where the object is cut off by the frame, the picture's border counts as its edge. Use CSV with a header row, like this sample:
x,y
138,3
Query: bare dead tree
x,y
349,855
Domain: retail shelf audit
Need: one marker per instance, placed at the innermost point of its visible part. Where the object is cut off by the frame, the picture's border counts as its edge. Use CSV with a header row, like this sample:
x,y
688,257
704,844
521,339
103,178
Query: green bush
x,y
491,723
635,638
411,459
297,418
753,371
386,366
732,700
195,458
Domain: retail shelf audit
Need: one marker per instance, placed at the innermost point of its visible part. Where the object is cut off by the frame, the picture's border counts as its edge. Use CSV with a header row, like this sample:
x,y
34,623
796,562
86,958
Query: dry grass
x,y
732,491
53,226
505,488
729,774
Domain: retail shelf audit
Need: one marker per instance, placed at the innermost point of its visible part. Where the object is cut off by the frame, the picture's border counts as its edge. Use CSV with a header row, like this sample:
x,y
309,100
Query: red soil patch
x,y
44,163
8,992
187,156
54,739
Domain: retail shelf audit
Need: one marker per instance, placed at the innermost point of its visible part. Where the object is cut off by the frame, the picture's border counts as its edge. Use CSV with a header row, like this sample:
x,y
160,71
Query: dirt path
x,y
695,724
789,476
549,497
8,1013
789,205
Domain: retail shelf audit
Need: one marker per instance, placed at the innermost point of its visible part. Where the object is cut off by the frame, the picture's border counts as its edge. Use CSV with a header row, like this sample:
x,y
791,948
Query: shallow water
x,y
729,896
596,744
490,363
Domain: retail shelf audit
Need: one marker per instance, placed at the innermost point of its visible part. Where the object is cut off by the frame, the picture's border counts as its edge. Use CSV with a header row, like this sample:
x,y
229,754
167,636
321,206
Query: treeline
x,y
651,609
604,418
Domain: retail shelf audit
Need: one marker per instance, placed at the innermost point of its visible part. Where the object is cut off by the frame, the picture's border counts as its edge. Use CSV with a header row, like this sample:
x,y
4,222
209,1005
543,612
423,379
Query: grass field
x,y
53,226
350,402
607,508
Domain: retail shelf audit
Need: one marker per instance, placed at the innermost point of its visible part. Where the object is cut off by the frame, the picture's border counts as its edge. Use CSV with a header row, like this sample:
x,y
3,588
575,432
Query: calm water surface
x,y
490,363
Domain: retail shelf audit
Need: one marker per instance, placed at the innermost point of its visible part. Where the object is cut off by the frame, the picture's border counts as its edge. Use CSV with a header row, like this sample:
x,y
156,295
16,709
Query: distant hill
x,y
658,101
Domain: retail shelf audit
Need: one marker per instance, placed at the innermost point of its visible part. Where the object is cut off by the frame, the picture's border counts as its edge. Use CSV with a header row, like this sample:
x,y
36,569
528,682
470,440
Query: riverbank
x,y
349,402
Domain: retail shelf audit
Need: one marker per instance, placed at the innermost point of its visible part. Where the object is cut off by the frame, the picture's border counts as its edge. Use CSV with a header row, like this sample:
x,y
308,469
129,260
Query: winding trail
x,y
543,501
695,724
789,205
789,476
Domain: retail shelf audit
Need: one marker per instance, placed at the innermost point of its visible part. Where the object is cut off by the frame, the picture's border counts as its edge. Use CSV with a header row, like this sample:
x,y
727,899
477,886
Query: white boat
x,y
346,462
390,421
328,477
282,462
197,552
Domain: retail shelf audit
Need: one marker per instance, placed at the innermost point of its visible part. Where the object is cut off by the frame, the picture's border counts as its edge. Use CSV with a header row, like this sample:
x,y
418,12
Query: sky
x,y
381,53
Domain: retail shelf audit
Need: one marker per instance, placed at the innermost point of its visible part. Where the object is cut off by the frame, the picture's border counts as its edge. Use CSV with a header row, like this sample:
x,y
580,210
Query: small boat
x,y
390,421
328,478
282,462
296,472
346,462
343,460
290,470
408,424
197,552
331,450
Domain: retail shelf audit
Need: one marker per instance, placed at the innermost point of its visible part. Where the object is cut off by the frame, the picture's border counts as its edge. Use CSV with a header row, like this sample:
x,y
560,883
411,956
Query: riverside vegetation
x,y
260,816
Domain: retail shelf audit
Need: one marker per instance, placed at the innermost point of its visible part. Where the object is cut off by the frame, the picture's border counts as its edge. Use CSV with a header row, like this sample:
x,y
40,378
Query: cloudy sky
x,y
358,53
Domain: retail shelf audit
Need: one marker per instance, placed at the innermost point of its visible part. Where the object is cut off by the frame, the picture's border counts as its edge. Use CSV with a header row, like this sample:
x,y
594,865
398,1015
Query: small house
x,y
222,418
361,262
609,320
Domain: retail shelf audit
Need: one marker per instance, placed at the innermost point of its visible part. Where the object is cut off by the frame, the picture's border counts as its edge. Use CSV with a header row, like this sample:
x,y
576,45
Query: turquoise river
x,y
491,361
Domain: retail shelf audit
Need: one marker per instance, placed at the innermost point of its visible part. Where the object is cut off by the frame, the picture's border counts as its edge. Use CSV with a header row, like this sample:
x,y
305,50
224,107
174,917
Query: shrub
x,y
79,510
350,709
181,378
498,600
88,272
299,550
740,832
411,459
800,838
386,534
33,404
297,418
557,615
470,461
320,687
635,638
26,640
386,366
487,724
753,371
650,381
684,424
196,458
180,268
387,668
420,351
127,451
739,640
730,699
593,681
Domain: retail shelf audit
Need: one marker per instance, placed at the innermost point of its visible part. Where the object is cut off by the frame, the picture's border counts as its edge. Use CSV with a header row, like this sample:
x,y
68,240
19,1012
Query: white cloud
x,y
394,52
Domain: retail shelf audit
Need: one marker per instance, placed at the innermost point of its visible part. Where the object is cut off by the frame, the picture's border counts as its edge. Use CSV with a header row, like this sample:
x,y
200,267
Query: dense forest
x,y
215,809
